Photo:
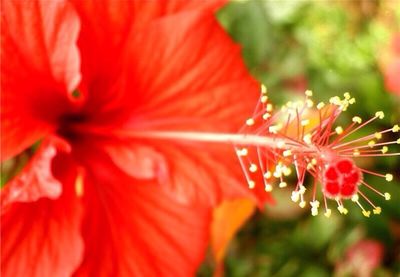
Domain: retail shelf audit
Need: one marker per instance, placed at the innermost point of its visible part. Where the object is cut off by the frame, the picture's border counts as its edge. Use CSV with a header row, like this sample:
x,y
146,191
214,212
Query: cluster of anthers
x,y
302,136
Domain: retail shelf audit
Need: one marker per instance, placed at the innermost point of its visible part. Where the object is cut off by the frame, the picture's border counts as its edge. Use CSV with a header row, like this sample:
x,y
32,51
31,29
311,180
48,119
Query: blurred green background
x,y
329,47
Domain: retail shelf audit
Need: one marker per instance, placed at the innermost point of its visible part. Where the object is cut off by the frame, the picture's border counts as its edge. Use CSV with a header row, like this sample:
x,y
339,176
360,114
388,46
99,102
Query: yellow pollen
x,y
309,103
377,210
378,135
354,198
371,143
339,130
302,189
295,196
305,122
282,184
384,149
398,141
352,101
356,153
314,161
267,175
307,138
274,128
266,116
389,177
253,168
268,187
269,108
328,213
302,204
251,184
395,128
357,119
320,105
287,153
380,114
387,196
264,99
277,174
250,122
366,213
342,210
347,95
314,211
308,93
263,89
287,171
242,152
79,185
281,144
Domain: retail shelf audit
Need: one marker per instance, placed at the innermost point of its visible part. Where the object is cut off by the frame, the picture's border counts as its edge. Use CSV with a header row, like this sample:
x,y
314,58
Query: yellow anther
x,y
320,105
302,189
250,122
335,100
339,130
79,190
266,116
263,89
274,128
389,177
328,213
395,128
357,119
356,153
378,135
305,122
287,153
387,196
307,138
398,141
308,93
314,211
287,171
302,204
380,114
267,175
342,210
354,198
264,99
277,174
314,161
384,149
309,103
242,152
310,166
253,168
366,213
295,196
251,184
314,204
282,184
347,95
371,143
377,210
352,101
281,144
268,187
269,108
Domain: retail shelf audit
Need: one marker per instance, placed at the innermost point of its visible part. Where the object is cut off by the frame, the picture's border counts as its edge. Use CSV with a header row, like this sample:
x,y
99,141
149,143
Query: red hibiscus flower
x,y
97,83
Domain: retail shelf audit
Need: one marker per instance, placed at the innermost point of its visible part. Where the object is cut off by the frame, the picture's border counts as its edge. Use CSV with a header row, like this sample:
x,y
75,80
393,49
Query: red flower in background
x,y
391,65
94,82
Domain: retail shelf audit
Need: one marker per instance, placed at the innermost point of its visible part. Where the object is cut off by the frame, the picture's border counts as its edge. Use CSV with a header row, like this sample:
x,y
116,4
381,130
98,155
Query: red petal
x,y
39,67
36,179
43,238
104,40
134,228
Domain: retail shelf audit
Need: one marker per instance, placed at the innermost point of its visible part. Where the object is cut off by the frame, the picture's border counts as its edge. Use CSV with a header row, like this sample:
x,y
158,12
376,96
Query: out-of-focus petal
x,y
134,228
39,68
42,238
36,180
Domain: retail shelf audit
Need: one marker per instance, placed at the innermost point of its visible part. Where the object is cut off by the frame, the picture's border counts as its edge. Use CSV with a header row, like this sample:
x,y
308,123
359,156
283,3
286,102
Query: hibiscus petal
x,y
134,228
36,180
188,74
43,238
104,39
39,67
